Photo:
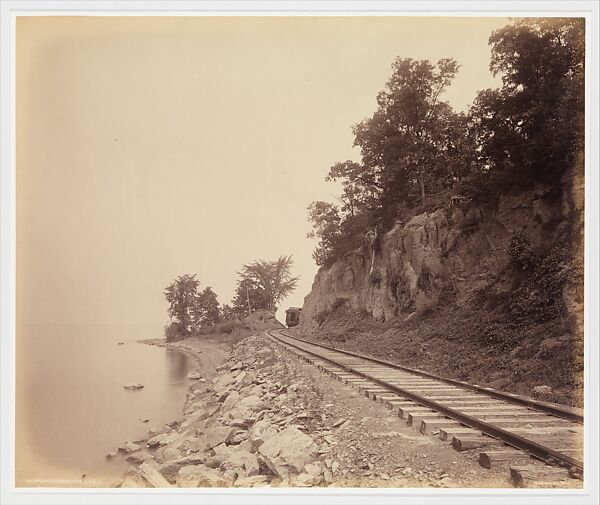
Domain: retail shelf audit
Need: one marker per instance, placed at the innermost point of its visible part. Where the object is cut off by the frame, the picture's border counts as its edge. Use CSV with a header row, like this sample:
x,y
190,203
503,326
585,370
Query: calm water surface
x,y
72,409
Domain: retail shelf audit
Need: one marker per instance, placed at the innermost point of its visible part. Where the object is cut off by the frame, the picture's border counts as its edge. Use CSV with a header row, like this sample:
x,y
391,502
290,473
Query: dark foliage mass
x,y
189,309
261,285
415,150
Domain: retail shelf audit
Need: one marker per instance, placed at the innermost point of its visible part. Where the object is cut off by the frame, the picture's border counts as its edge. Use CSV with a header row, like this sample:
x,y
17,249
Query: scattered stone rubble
x,y
246,427
258,422
261,421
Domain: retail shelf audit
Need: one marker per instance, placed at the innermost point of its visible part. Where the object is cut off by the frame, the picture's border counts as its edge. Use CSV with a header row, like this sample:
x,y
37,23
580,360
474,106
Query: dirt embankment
x,y
544,361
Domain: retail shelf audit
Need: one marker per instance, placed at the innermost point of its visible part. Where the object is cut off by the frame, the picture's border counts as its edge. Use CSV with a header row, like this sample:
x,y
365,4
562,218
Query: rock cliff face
x,y
449,253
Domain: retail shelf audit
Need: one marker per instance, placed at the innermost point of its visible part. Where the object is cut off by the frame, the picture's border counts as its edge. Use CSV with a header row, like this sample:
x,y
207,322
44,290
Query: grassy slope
x,y
450,342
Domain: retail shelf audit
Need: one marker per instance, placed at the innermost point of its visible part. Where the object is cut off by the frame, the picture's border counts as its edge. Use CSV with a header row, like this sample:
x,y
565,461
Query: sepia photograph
x,y
288,252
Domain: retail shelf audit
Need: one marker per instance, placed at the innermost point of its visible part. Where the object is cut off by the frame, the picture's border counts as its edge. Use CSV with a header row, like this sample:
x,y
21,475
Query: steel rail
x,y
549,408
539,451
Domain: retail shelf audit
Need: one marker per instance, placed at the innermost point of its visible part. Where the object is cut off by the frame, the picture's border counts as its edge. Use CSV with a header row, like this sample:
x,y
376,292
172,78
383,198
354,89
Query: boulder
x,y
230,401
289,447
262,430
152,432
245,407
305,480
252,466
236,460
170,453
193,420
194,375
542,389
170,469
129,447
275,467
221,450
242,462
222,382
201,412
241,423
215,436
138,457
255,480
132,479
239,379
153,476
188,476
315,469
193,407
256,390
199,476
162,439
233,437
237,438
215,461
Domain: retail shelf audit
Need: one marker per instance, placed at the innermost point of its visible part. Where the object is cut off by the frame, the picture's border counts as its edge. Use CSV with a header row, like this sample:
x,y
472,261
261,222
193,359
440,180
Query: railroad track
x,y
507,428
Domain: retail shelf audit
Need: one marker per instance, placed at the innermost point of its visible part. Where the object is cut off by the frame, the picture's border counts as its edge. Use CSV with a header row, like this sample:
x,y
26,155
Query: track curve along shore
x,y
507,427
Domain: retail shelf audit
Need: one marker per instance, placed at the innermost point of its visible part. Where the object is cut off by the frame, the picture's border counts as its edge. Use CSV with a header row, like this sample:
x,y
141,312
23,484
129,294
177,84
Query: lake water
x,y
72,408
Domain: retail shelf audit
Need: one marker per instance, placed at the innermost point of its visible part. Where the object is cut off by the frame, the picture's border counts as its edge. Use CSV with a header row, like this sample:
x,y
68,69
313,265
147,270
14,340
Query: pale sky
x,y
148,148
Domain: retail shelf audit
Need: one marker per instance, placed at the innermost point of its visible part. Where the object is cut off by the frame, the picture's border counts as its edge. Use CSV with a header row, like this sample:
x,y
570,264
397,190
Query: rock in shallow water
x,y
162,439
134,386
129,447
138,457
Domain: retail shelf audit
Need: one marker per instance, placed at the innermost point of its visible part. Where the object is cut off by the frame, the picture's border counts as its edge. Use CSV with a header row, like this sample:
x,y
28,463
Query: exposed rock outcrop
x,y
448,253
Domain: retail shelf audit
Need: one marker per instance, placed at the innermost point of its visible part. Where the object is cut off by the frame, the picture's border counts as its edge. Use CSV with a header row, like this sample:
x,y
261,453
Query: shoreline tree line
x,y
417,152
261,285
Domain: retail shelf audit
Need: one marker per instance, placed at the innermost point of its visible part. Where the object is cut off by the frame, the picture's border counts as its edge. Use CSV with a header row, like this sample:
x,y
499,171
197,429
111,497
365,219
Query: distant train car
x,y
292,316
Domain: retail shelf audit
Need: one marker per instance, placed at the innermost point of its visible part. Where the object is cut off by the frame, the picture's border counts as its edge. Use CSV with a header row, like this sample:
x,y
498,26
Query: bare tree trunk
x,y
422,184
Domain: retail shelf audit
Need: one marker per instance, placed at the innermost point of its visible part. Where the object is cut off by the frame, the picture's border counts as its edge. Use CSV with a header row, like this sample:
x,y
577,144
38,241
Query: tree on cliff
x,y
414,146
530,129
403,144
337,228
263,284
413,141
181,296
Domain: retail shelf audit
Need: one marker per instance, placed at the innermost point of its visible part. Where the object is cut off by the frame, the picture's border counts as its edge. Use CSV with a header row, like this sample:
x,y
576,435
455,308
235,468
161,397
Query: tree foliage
x,y
403,144
415,147
189,309
530,128
206,309
181,296
263,284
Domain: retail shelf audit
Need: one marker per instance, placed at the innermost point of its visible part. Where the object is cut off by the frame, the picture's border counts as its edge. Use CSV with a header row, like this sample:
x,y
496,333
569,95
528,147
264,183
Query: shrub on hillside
x,y
520,252
539,296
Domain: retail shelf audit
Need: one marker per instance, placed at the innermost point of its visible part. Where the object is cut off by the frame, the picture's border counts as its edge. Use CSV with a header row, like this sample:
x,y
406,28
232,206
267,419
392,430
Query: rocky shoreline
x,y
233,432
264,418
